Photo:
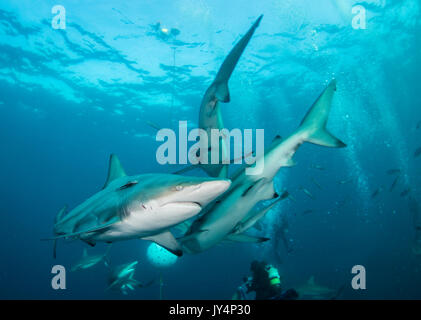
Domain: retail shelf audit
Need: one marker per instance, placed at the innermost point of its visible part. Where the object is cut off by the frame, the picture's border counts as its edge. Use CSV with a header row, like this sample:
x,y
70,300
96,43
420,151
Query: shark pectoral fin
x,y
256,216
167,241
245,238
78,233
314,122
115,170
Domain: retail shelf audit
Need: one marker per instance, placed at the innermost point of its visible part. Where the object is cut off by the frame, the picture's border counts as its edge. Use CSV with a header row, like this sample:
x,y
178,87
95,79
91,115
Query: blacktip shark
x,y
138,207
210,115
311,290
219,221
88,261
122,279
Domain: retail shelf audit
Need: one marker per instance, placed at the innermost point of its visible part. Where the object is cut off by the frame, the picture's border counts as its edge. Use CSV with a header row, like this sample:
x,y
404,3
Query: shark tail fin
x,y
313,126
228,66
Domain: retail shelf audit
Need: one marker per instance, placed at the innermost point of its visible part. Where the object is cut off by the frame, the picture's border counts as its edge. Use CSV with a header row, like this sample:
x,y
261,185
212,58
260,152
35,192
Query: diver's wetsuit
x,y
261,284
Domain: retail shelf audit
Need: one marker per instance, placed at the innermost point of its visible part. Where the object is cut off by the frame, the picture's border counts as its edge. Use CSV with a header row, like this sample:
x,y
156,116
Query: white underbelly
x,y
132,227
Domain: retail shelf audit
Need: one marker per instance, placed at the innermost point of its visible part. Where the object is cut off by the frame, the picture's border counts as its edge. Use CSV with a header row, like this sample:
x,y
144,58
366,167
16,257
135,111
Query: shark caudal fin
x,y
228,66
313,126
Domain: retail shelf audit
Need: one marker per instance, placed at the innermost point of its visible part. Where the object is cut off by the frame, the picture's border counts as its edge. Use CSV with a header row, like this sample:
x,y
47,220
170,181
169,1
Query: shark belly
x,y
146,223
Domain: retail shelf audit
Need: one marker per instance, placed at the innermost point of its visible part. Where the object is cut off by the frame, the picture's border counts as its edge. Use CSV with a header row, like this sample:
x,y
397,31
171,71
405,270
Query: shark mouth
x,y
187,203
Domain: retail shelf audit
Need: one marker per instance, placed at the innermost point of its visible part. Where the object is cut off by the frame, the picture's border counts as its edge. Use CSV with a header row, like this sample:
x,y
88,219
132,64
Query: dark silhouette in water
x,y
394,183
281,237
405,192
376,192
393,171
417,152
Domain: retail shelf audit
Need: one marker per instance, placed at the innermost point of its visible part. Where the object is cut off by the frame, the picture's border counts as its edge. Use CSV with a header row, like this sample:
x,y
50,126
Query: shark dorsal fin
x,y
311,281
115,170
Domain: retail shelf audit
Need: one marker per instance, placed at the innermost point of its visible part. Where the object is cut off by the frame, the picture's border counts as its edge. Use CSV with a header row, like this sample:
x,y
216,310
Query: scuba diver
x,y
266,282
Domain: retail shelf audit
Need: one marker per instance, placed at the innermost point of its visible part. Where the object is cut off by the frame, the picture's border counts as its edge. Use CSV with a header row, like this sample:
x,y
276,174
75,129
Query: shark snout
x,y
209,190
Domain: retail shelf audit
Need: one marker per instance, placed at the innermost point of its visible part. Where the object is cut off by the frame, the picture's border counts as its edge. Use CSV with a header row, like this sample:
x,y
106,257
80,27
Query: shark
x,y
89,261
143,206
210,116
219,220
122,279
311,290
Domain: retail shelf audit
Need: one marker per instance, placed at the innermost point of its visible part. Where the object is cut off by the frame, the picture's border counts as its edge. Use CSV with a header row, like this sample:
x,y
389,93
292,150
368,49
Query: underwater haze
x,y
71,97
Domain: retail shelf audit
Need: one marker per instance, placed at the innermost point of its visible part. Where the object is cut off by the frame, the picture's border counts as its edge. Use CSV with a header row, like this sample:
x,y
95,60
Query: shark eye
x,y
179,188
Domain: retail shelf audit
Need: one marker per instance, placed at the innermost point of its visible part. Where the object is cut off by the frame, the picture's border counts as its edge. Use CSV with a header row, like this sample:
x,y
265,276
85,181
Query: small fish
x,y
345,181
316,166
417,152
394,184
307,192
153,125
341,203
316,183
307,211
376,192
405,192
393,171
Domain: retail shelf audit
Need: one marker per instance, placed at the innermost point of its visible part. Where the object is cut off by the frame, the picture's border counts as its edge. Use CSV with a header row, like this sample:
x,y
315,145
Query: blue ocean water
x,y
69,98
